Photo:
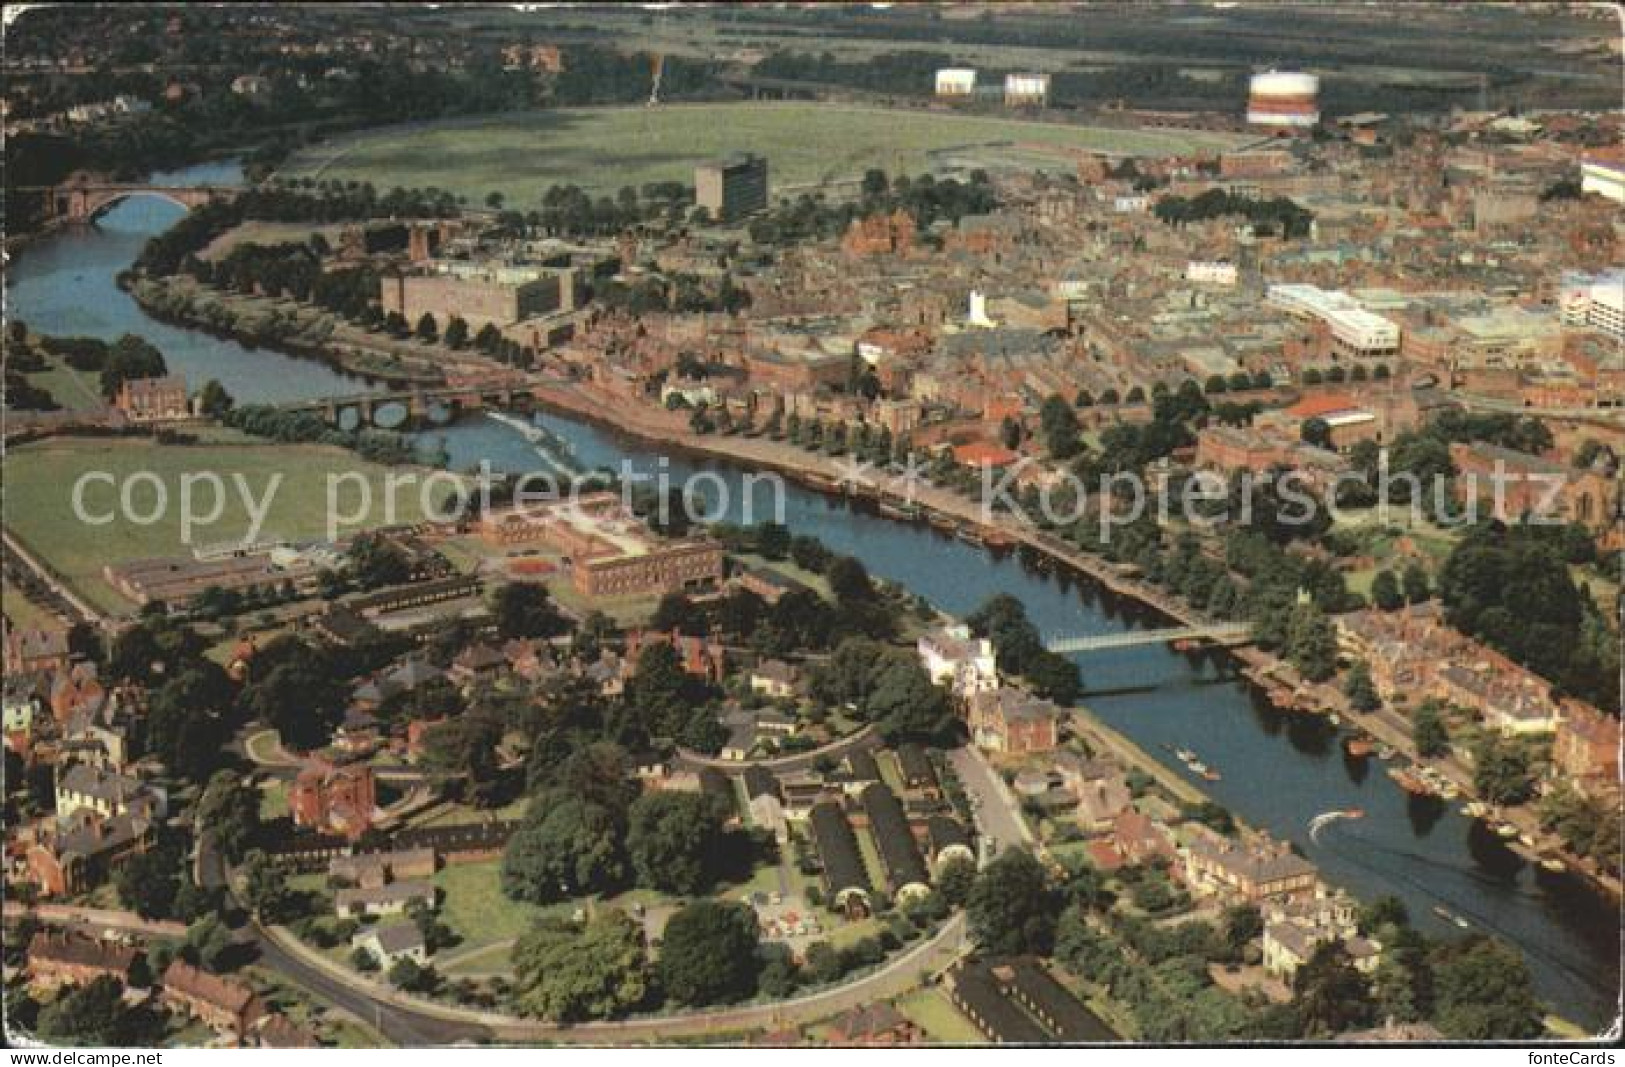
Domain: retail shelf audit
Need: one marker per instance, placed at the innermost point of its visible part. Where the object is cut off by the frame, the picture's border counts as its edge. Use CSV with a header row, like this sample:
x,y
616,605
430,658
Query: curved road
x,y
411,1022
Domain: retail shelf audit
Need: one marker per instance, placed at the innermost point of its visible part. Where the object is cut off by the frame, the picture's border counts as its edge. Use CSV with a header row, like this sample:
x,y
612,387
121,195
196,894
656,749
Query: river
x,y
1279,770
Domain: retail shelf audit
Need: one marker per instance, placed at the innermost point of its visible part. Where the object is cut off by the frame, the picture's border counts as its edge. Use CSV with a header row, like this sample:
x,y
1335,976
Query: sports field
x,y
40,480
603,149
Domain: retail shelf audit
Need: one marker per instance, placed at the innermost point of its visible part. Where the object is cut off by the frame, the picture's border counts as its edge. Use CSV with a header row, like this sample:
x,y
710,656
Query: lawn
x,y
459,815
474,906
73,390
603,149
941,1021
268,233
273,800
23,612
40,479
623,610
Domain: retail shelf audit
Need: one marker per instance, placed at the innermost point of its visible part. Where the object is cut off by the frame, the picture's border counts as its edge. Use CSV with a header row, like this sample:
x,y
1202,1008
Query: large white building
x,y
1597,301
1282,99
956,81
1211,272
953,657
1355,331
1604,176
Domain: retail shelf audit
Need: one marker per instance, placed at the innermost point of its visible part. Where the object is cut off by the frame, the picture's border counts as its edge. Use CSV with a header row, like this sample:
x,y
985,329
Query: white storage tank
x,y
956,81
1022,89
1280,98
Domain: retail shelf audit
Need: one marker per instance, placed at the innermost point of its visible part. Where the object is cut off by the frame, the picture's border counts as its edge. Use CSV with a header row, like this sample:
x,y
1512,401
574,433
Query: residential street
x,y
998,814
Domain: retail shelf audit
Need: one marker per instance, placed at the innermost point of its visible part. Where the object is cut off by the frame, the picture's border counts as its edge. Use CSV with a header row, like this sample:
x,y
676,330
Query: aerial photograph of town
x,y
842,525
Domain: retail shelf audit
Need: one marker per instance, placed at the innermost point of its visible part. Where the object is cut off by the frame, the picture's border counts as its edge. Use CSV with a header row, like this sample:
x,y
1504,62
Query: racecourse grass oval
x,y
806,144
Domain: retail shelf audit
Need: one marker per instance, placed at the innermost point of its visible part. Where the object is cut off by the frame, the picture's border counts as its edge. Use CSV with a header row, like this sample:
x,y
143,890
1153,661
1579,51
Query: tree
x,y
1484,991
677,612
457,332
673,839
1385,592
708,954
1317,432
566,973
213,400
567,847
406,973
210,943
299,697
1311,643
1330,995
129,358
184,727
426,328
375,562
954,880
773,540
849,580
1428,731
229,811
1012,906
1059,425
1243,923
524,609
1359,688
464,748
904,703
266,889
1501,771
148,881
661,693
95,1015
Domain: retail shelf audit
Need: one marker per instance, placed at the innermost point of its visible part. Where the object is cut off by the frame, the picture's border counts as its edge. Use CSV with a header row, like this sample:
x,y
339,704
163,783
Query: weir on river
x,y
1280,770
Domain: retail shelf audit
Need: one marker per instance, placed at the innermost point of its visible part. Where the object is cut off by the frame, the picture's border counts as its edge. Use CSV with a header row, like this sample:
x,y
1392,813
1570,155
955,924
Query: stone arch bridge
x,y
84,201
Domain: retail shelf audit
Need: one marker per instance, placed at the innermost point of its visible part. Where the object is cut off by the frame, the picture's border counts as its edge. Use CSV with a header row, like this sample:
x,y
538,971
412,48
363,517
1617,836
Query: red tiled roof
x,y
1313,407
984,454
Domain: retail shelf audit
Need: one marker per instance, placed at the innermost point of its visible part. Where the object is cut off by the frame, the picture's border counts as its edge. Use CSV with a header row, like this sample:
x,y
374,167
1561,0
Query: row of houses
x,y
1414,655
1019,1002
229,1007
913,839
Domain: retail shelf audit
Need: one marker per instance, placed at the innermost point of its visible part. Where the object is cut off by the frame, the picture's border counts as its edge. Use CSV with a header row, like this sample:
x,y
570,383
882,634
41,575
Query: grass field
x,y
475,907
23,612
40,479
603,149
73,390
930,1010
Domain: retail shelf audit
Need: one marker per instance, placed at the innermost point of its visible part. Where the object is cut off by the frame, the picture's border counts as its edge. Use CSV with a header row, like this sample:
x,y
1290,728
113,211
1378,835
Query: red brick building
x,y
30,650
338,800
58,959
1586,748
154,399
1518,483
1013,722
229,1007
880,235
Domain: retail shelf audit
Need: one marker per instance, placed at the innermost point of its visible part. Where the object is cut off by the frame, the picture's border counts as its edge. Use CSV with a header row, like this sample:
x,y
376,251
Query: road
x,y
411,1022
864,739
67,596
998,814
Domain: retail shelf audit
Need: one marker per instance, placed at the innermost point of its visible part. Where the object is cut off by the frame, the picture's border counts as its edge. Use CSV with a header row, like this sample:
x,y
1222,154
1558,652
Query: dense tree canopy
x,y
673,839
708,953
568,846
1484,992
566,973
1013,906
